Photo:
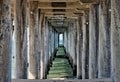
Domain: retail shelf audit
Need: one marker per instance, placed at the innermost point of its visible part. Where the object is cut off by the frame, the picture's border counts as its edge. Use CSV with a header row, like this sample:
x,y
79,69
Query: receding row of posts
x,y
92,41
32,56
97,34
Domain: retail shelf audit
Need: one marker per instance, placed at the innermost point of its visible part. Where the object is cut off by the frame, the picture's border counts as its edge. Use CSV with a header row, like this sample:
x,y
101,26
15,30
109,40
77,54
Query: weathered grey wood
x,y
53,40
115,39
74,30
46,45
33,14
20,39
42,47
56,40
72,43
104,57
79,47
84,46
37,43
69,40
5,41
85,51
66,40
41,56
50,41
93,41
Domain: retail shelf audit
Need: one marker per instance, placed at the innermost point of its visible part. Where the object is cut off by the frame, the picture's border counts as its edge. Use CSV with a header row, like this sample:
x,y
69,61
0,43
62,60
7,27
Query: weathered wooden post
x,y
5,41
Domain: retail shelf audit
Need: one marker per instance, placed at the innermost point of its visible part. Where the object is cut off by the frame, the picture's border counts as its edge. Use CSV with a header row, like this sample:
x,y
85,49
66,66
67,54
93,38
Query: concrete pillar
x,y
50,41
5,41
69,41
73,43
46,45
85,52
53,42
65,39
74,46
42,49
115,39
39,45
104,57
33,15
93,41
56,40
79,47
71,49
84,46
21,39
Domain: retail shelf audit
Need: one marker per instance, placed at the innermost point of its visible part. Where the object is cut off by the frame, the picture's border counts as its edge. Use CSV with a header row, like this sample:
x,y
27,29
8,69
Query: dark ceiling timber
x,y
58,10
58,4
88,1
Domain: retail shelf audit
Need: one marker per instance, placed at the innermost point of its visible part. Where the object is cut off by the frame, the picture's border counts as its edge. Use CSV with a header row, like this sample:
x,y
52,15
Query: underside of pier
x,y
59,41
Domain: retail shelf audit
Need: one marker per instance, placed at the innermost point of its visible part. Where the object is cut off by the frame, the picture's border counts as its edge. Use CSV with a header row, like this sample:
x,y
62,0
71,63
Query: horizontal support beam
x,y
88,1
73,5
67,16
55,0
59,13
51,10
56,8
87,80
